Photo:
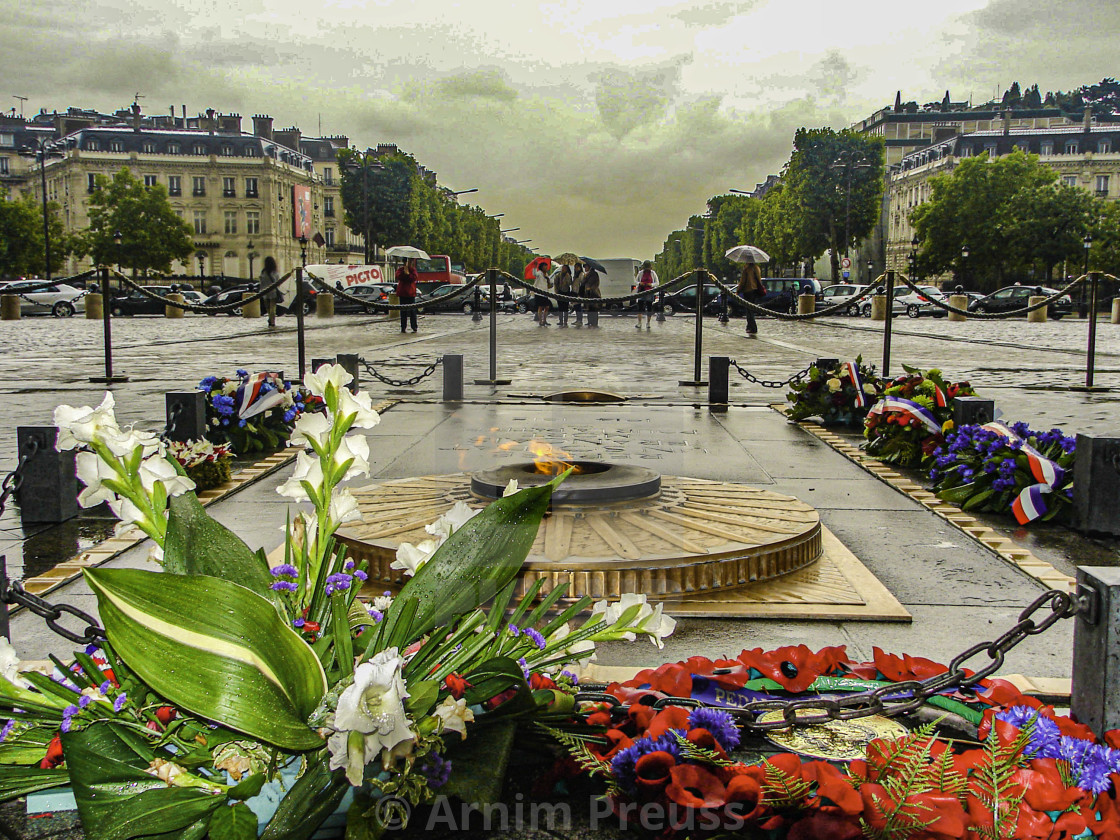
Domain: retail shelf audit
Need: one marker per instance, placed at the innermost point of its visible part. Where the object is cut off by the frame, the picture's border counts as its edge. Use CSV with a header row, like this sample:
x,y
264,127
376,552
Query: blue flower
x,y
1045,735
536,638
284,570
118,704
7,730
298,623
284,586
437,769
719,723
339,582
375,614
105,687
524,666
625,761
514,630
84,701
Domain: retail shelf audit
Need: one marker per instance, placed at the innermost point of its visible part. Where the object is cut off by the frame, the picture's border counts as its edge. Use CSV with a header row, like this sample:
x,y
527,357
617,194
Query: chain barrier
x,y
770,383
395,307
890,700
682,281
990,316
786,316
42,285
14,479
14,593
201,307
400,383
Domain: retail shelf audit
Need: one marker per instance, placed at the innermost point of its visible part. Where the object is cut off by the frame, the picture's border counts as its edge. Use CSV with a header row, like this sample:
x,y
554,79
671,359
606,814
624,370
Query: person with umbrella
x,y
647,282
563,284
541,280
406,291
750,285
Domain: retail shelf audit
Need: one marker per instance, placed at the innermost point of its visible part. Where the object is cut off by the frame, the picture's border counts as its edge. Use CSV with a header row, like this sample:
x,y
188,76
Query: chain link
x,y
201,307
400,383
14,593
770,383
14,479
395,307
890,700
992,316
681,281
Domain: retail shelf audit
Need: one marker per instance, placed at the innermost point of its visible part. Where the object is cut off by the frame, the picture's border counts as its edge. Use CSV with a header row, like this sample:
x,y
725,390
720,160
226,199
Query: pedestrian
x,y
577,290
406,292
270,275
647,282
563,287
542,281
591,292
750,288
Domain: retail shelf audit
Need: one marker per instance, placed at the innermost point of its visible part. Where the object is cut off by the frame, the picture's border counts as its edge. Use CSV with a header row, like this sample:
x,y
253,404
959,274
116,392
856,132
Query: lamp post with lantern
x,y
41,152
964,264
252,256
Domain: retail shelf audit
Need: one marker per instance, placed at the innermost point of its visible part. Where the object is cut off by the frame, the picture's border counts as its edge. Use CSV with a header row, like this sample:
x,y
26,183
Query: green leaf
x,y
422,696
116,799
477,561
249,786
312,799
197,544
236,823
236,662
478,765
18,780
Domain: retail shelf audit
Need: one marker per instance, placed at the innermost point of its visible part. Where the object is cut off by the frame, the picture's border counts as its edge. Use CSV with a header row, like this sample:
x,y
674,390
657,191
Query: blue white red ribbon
x,y
911,408
249,399
1029,505
851,372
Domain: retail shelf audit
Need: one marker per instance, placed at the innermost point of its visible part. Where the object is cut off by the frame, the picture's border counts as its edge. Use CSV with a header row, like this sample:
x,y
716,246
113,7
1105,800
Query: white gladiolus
x,y
649,621
455,715
82,425
356,447
307,469
92,470
411,557
451,521
511,488
311,426
326,375
9,665
155,469
344,507
360,405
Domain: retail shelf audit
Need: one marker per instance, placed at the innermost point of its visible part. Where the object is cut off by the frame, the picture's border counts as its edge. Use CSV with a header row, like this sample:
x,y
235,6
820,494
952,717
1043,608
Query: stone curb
x,y
1004,548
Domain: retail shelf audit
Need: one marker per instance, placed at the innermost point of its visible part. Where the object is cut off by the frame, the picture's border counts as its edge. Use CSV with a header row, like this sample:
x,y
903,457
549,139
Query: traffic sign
x,y
846,274
846,263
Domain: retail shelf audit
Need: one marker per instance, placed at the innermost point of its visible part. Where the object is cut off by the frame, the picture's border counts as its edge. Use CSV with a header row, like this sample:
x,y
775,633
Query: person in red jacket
x,y
406,292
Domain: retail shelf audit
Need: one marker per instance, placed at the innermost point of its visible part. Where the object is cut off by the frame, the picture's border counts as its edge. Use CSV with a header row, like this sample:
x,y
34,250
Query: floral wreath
x,y
911,419
841,395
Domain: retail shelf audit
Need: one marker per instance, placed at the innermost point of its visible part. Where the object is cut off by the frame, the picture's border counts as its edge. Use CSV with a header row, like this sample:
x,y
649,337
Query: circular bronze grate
x,y
696,536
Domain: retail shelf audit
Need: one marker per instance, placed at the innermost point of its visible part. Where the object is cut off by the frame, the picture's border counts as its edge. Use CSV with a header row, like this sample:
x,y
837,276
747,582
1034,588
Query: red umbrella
x,y
544,262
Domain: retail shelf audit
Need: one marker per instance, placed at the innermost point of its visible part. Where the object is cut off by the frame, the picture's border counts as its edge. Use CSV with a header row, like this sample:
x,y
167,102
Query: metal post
x,y
46,217
1095,689
887,325
49,490
476,314
1091,356
718,387
660,306
107,324
723,318
301,348
5,628
452,378
698,347
350,363
186,415
492,277
318,363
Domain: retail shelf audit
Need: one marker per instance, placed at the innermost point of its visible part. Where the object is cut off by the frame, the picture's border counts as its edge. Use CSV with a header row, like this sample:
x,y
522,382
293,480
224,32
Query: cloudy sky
x,y
594,125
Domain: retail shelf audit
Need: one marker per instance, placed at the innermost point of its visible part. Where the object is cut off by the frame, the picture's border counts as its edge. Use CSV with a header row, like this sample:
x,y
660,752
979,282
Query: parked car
x,y
844,293
59,299
370,293
450,302
917,304
781,292
1017,297
138,303
684,300
227,296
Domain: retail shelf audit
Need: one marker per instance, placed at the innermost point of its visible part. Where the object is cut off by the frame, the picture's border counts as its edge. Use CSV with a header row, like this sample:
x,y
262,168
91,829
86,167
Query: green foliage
x,y
234,823
152,236
992,783
21,237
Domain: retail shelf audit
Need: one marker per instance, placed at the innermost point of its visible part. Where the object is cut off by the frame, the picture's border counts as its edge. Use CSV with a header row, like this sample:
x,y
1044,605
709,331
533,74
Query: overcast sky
x,y
596,126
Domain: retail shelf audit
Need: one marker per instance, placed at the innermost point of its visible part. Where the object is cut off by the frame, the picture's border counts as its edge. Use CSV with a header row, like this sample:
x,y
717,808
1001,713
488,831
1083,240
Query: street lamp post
x,y
41,152
303,251
252,256
870,270
964,264
200,255
1083,307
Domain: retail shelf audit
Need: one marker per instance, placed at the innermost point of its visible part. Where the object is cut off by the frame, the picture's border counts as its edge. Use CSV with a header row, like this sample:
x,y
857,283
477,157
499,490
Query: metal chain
x,y
202,307
991,316
890,700
14,593
46,284
395,307
14,479
770,383
401,383
785,316
669,286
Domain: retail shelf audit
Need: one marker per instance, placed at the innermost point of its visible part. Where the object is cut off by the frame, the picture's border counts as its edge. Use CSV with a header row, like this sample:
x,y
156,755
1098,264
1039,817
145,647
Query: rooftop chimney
x,y
210,120
1087,122
136,117
262,126
1006,121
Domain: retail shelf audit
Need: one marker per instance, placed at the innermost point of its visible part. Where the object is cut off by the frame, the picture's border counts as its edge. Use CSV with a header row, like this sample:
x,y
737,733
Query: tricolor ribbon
x,y
249,401
851,372
1029,504
939,398
911,408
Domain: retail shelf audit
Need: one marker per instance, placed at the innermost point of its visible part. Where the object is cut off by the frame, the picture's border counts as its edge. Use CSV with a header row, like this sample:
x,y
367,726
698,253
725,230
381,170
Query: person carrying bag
x,y
751,288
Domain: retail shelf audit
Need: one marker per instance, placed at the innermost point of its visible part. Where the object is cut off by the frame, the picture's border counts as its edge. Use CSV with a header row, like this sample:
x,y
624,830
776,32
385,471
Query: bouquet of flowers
x,y
681,770
234,699
208,465
841,396
997,468
911,419
253,412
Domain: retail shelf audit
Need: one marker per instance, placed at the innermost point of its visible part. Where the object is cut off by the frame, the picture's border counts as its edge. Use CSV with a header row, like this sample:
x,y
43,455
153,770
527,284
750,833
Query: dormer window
x,y
199,149
149,148
116,146
227,150
91,146
173,148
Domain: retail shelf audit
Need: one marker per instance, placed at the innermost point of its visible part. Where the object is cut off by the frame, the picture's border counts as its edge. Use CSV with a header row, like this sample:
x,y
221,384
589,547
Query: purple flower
x,y
1044,737
572,678
285,570
84,701
1089,763
437,769
118,704
65,725
299,622
7,730
719,723
284,586
376,615
360,575
514,630
524,666
338,582
625,761
105,687
536,638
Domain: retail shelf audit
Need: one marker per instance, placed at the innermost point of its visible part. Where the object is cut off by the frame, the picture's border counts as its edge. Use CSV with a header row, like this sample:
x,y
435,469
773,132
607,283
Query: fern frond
x,y
782,790
577,746
691,751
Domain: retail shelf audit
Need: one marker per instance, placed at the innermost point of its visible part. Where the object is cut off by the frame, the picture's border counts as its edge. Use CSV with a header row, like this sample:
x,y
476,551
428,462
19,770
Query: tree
x,y
152,236
1013,96
388,191
1045,225
834,182
22,250
1105,252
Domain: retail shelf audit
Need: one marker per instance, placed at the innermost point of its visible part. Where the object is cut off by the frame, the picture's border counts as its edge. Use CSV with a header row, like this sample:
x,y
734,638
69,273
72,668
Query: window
x,y
1071,147
1104,147
1023,145
991,151
966,151
199,185
251,188
328,206
231,221
227,150
174,185
4,166
252,222
173,148
91,182
1102,185
149,148
1046,147
328,175
199,149
91,146
250,151
1069,180
229,189
7,139
151,180
330,237
116,146
200,221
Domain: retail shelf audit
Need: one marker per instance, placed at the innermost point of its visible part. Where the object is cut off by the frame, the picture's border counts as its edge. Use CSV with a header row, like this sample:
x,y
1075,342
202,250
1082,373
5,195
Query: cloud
x,y
628,99
713,14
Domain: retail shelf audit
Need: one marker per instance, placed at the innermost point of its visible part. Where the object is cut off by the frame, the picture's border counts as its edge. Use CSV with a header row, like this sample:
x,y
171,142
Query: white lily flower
x,y
126,510
328,374
411,557
573,651
307,469
344,507
77,426
158,468
123,442
373,707
511,488
360,405
455,715
451,521
311,426
92,470
658,626
354,751
356,447
9,665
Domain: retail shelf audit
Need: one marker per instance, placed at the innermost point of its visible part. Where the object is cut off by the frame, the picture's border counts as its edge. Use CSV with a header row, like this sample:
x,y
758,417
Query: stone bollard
x,y
1116,310
960,302
93,306
452,378
174,311
9,308
1038,316
719,389
1095,685
186,415
878,307
251,309
806,304
324,305
973,410
1096,484
49,490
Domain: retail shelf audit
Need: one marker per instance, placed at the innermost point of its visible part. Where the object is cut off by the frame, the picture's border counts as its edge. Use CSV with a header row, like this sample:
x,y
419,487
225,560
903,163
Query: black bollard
x,y
698,348
350,363
5,627
887,325
719,368
186,415
1095,689
723,317
452,378
826,365
476,313
1096,484
318,363
107,332
301,348
969,411
660,306
48,491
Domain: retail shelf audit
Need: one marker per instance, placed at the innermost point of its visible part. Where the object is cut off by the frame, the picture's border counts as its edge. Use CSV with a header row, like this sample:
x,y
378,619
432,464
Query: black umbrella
x,y
595,264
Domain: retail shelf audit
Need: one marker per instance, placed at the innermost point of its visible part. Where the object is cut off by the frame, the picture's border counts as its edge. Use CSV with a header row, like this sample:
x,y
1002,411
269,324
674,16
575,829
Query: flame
x,y
548,460
508,445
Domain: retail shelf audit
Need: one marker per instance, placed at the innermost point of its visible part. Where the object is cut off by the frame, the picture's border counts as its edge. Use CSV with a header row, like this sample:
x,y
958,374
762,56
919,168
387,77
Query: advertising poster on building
x,y
347,276
301,212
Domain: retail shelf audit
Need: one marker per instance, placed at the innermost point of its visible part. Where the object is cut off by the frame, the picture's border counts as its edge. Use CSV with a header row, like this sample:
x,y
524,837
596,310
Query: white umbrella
x,y
747,254
407,252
